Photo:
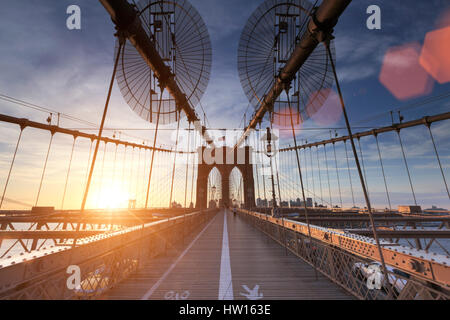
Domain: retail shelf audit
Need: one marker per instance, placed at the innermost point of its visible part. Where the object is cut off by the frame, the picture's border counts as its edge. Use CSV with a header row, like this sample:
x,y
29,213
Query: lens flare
x,y
435,57
402,73
329,113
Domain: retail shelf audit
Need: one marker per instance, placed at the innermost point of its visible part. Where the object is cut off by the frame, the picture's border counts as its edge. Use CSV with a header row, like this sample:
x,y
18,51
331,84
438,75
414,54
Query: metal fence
x,y
352,272
104,260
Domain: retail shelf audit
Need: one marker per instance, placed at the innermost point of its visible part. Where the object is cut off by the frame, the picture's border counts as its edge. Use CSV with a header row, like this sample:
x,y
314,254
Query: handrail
x,y
427,266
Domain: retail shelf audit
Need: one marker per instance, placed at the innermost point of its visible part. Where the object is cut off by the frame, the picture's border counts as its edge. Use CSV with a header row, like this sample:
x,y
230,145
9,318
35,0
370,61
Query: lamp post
x,y
270,152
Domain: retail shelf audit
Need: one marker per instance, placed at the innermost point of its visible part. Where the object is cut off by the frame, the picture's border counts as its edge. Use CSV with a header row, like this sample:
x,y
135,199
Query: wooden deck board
x,y
255,260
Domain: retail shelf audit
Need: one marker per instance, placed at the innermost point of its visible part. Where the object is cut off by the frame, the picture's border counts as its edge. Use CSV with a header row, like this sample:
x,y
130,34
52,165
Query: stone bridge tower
x,y
225,159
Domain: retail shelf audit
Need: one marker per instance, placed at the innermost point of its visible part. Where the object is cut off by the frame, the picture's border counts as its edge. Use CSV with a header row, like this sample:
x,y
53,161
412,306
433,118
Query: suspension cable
x,y
263,176
364,166
154,146
384,174
11,167
337,174
256,169
369,207
407,167
187,167
312,173
100,132
99,196
45,168
320,174
305,206
277,175
306,169
174,160
438,158
137,177
349,174
68,173
88,164
114,167
130,177
328,175
193,170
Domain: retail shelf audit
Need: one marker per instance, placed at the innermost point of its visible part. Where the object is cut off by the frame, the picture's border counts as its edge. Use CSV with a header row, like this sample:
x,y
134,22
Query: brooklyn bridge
x,y
254,213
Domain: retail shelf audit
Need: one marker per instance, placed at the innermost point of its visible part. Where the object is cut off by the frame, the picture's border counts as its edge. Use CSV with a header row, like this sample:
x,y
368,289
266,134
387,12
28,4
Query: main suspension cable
x,y
363,185
154,146
305,206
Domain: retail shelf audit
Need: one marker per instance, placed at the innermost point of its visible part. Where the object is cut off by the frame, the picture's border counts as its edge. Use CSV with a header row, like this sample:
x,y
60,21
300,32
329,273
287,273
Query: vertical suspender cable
x,y
100,193
320,175
312,173
174,161
114,167
11,167
278,182
349,174
328,175
137,177
68,173
124,166
187,166
407,167
88,164
45,168
264,173
193,168
337,174
306,171
384,174
256,169
130,177
438,158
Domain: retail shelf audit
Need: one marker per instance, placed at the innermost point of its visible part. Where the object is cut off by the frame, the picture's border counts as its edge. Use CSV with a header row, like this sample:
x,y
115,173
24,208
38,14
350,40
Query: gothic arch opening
x,y
214,189
237,195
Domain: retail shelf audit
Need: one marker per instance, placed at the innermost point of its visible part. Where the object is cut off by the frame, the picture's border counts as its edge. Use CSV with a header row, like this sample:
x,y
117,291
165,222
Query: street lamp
x,y
270,151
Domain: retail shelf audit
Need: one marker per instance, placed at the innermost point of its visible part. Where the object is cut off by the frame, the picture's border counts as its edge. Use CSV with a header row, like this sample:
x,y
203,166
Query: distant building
x,y
176,205
261,203
299,204
434,210
285,204
410,209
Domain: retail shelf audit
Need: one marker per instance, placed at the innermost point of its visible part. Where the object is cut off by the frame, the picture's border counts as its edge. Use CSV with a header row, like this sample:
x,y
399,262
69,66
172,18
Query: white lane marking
x,y
166,274
226,280
252,294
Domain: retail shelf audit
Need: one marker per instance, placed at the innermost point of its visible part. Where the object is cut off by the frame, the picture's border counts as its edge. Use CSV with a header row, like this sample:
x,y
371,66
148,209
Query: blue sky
x,y
44,63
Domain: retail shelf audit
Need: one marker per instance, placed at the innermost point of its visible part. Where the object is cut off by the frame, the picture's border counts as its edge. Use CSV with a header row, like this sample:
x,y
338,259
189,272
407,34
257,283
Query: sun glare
x,y
113,198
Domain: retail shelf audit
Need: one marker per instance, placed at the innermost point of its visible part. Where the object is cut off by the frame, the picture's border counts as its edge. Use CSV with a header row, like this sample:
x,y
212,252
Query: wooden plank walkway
x,y
244,264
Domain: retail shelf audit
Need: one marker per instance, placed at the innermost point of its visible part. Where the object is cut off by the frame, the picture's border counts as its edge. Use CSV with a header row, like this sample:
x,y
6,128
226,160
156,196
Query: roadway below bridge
x,y
227,260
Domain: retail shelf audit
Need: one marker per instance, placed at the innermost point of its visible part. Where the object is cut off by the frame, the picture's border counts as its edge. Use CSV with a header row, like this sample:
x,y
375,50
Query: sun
x,y
113,197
